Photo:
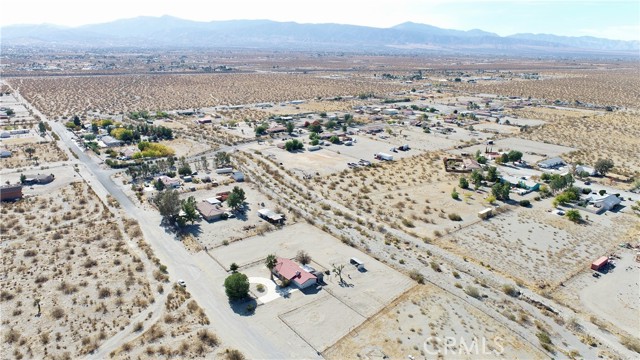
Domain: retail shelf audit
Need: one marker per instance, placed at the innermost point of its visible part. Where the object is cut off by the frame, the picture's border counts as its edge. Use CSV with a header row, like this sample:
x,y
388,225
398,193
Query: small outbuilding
x,y
271,216
5,153
238,176
10,192
600,263
485,214
40,179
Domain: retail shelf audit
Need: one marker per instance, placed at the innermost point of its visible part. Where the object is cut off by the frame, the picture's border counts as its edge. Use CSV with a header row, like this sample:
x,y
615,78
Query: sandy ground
x,y
45,152
417,325
532,151
320,317
537,246
612,297
62,248
213,234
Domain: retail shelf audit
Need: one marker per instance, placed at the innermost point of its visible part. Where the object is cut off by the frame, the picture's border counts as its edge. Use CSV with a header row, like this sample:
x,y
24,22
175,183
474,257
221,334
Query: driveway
x,y
273,291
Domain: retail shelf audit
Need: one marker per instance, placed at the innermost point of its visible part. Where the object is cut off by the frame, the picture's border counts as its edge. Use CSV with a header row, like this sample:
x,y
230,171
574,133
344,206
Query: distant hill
x,y
171,32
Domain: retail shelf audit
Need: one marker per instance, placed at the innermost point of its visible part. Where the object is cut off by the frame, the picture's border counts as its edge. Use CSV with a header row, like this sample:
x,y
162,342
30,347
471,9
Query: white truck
x,y
383,156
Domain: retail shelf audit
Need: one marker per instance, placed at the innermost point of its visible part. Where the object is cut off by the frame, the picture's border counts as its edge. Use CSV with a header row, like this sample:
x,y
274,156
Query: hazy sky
x,y
616,19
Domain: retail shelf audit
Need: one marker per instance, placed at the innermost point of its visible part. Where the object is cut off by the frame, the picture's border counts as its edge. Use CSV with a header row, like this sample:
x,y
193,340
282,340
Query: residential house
x,y
583,168
110,141
209,212
10,192
605,202
521,182
551,163
286,269
169,182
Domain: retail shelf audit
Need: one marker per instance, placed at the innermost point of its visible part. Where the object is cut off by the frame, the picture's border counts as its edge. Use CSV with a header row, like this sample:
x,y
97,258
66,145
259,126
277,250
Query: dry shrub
x,y
57,313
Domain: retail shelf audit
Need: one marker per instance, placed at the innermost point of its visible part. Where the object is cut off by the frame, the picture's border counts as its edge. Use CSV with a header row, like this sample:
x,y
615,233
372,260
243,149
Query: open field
x,y
74,260
44,152
613,297
74,95
418,323
597,135
603,87
532,151
539,247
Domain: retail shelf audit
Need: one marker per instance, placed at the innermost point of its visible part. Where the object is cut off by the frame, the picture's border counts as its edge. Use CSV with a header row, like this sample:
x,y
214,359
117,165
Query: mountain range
x,y
172,32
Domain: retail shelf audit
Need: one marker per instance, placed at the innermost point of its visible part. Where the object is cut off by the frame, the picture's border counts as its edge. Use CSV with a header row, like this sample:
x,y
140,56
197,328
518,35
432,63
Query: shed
x,y
600,263
485,214
10,192
271,216
5,153
238,176
110,141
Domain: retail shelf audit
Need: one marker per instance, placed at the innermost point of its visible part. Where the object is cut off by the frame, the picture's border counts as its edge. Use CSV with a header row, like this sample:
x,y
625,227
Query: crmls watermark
x,y
452,345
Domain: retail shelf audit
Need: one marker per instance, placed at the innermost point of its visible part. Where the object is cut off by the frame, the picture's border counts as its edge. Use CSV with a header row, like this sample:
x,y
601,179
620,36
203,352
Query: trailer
x,y
226,170
404,147
383,156
314,148
600,263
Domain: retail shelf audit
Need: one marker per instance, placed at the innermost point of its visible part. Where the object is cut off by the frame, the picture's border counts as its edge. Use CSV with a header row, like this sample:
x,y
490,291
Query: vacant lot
x,y
597,86
42,153
611,135
63,251
537,246
532,151
76,95
613,297
417,324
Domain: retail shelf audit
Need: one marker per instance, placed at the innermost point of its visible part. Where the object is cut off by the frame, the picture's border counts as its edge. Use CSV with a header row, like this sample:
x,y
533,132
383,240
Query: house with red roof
x,y
297,275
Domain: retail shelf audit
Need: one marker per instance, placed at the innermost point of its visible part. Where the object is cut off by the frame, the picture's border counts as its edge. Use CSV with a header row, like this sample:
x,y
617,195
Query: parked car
x,y
182,283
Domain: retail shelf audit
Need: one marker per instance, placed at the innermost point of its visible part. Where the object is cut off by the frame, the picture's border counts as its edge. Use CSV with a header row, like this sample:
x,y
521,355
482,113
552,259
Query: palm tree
x,y
271,263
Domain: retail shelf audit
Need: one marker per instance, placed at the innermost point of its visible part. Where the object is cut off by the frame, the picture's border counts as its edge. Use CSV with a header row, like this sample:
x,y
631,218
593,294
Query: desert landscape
x,y
241,203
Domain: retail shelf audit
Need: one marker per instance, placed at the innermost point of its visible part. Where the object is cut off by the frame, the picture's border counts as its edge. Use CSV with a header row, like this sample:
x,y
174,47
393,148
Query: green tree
x,y
573,215
334,139
501,191
492,174
603,166
476,178
236,199
42,127
236,286
331,124
30,151
504,158
315,127
76,121
271,262
261,130
454,194
159,185
234,267
23,178
515,155
464,183
222,158
168,203
184,168
189,209
290,127
293,145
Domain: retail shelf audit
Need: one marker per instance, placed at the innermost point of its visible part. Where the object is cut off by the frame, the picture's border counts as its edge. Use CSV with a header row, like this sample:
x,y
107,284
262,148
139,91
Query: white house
x,y
605,202
583,168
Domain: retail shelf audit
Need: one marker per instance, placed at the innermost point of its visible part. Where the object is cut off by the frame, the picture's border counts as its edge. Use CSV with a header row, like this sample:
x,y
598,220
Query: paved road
x,y
203,275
